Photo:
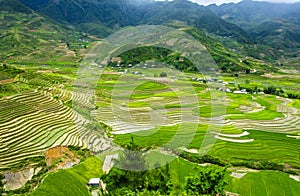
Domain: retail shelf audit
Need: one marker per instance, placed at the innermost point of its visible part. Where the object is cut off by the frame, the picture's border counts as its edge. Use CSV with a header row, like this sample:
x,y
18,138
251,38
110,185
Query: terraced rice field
x,y
3,77
271,123
137,111
74,179
264,183
34,121
144,106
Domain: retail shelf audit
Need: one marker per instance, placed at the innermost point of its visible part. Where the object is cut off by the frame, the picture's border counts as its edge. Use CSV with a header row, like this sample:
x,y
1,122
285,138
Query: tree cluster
x,y
132,177
206,181
293,95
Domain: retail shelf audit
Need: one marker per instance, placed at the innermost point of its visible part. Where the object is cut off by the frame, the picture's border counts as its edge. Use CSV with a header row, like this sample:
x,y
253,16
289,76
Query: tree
x,y
208,180
134,177
163,74
270,90
132,158
1,184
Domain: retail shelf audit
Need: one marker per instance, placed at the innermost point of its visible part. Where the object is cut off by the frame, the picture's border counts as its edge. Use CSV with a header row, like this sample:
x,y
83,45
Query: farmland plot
x,y
32,122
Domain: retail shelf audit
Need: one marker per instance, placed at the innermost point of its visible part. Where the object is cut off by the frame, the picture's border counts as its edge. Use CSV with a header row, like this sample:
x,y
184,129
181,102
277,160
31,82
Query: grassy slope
x,y
226,59
28,37
264,183
274,147
71,181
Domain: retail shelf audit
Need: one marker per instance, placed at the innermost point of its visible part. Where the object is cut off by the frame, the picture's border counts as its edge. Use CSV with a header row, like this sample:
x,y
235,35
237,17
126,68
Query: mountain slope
x,y
25,35
248,13
274,26
281,33
101,17
28,36
193,15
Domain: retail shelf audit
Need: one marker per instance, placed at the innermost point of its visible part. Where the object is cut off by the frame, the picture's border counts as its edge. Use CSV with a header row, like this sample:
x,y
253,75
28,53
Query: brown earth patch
x,y
271,76
7,81
61,157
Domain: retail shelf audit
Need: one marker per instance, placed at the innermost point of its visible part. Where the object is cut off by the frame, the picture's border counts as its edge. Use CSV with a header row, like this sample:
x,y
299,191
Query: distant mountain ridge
x,y
102,17
248,12
29,37
267,36
276,25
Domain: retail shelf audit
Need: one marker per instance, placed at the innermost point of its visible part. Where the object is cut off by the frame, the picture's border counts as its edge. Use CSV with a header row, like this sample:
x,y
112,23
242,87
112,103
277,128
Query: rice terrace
x,y
129,97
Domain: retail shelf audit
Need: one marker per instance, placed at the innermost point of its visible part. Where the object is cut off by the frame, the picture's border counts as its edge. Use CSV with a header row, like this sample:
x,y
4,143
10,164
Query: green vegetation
x,y
134,178
274,147
264,183
258,130
263,115
38,111
262,149
71,181
295,104
227,60
26,36
206,181
9,71
1,183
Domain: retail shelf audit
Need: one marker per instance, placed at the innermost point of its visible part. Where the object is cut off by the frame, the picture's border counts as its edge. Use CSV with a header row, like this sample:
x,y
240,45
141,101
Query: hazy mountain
x,y
248,13
276,25
275,34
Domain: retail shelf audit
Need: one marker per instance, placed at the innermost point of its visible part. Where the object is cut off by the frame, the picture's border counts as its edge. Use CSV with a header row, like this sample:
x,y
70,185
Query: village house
x,y
94,182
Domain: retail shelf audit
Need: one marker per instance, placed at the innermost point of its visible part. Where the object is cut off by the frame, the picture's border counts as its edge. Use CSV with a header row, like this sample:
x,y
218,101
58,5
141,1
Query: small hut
x,y
94,182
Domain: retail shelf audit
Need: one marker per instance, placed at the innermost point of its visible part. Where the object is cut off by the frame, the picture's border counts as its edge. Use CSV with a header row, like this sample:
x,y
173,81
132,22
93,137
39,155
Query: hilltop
x,y
34,34
274,26
101,17
26,36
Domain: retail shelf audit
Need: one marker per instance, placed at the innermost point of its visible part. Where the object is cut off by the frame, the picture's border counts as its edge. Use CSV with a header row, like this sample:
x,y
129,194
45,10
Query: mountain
x,y
102,17
273,25
248,13
278,32
25,35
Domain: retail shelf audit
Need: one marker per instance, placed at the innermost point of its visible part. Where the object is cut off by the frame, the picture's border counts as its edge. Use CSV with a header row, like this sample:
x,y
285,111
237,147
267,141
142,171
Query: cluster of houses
x,y
227,90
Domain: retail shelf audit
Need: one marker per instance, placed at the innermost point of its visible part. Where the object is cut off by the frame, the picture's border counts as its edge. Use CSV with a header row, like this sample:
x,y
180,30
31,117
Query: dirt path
x,y
271,76
293,136
245,133
15,180
297,178
234,140
193,151
8,81
238,175
252,108
108,162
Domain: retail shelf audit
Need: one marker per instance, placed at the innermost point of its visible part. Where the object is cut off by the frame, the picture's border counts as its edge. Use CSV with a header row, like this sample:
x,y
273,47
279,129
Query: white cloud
x,y
218,2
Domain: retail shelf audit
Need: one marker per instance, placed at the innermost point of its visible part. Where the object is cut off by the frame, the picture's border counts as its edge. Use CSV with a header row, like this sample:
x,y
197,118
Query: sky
x,y
218,2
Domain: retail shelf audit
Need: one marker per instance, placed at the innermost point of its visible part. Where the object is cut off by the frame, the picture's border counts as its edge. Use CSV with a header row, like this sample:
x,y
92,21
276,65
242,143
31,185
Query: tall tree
x,y
207,180
1,184
134,178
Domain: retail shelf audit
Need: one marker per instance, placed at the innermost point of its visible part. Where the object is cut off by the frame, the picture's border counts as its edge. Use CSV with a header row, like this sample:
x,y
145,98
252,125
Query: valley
x,y
150,99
